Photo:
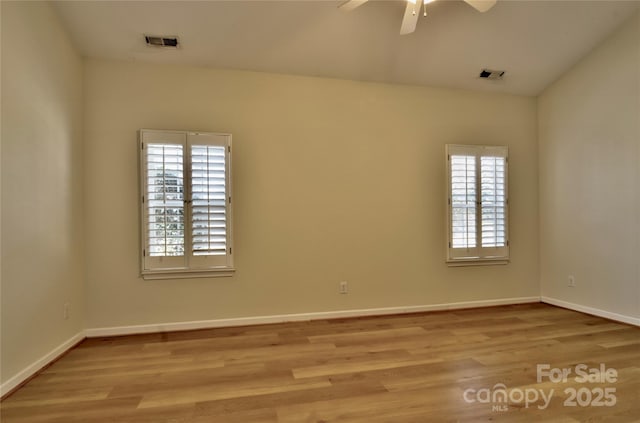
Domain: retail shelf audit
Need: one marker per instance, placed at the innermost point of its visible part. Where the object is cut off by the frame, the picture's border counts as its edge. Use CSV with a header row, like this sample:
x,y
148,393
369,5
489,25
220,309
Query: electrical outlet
x,y
572,281
344,287
65,313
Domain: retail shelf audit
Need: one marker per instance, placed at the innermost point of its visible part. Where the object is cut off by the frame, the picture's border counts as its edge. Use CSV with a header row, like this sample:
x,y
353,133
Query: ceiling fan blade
x,y
351,4
481,5
410,18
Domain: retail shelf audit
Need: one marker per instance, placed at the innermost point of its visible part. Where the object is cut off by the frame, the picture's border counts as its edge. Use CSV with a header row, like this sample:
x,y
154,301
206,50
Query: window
x,y
478,230
186,204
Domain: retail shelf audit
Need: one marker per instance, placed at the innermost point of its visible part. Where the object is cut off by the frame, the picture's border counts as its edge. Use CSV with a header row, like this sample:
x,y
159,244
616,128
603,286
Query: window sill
x,y
188,273
477,262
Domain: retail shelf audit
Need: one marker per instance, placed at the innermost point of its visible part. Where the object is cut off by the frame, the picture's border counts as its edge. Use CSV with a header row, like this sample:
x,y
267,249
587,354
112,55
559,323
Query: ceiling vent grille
x,y
491,74
171,42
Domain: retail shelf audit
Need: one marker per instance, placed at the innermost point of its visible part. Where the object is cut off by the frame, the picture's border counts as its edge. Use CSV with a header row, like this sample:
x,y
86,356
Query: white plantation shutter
x,y
163,211
186,204
492,170
463,201
209,241
208,196
477,203
165,199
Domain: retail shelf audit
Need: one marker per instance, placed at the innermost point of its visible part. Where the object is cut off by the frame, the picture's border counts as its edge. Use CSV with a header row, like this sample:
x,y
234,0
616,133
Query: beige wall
x,y
333,180
42,207
589,134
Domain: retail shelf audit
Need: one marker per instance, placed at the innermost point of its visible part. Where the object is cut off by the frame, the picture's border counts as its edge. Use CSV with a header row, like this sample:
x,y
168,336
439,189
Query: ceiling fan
x,y
413,9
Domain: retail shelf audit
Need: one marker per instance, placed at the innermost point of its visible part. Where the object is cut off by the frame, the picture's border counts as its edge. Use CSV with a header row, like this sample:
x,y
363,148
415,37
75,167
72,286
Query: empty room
x,y
320,211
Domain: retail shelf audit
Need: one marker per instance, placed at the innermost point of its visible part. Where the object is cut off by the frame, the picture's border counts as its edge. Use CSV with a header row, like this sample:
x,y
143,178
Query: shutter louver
x,y
463,201
164,206
208,200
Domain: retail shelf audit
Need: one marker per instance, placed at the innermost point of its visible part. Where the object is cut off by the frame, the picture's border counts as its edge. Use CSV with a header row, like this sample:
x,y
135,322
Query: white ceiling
x,y
534,41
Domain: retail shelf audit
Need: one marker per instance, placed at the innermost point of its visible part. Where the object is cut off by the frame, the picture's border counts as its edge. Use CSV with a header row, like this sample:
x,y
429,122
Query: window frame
x,y
189,265
477,256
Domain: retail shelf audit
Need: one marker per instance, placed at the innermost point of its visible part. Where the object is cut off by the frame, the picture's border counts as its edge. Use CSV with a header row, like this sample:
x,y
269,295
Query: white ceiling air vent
x,y
170,42
491,74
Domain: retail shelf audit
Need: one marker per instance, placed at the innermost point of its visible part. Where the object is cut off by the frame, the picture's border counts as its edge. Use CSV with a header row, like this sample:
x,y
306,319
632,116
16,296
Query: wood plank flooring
x,y
411,368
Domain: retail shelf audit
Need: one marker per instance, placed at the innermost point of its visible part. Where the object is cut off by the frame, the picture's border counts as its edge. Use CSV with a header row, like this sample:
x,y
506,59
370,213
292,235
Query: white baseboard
x,y
37,365
260,320
594,311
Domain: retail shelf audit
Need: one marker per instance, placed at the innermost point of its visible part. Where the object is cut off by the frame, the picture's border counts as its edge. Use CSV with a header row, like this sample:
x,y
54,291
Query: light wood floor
x,y
400,369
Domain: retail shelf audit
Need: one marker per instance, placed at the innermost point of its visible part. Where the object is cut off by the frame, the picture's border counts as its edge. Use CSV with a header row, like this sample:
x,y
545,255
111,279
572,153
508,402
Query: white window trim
x,y
188,273
454,260
184,272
